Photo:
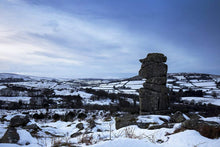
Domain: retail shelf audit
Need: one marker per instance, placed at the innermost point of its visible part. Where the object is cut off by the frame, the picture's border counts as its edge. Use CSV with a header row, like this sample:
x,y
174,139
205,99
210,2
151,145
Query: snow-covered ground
x,y
3,87
16,99
187,138
175,82
58,131
202,100
105,130
152,119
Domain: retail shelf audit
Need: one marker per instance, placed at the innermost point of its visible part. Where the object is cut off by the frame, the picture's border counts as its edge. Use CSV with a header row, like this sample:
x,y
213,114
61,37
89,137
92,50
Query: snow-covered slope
x,y
208,84
99,126
13,76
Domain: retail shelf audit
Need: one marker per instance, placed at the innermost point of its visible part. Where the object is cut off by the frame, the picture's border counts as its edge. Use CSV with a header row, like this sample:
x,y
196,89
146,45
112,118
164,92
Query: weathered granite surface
x,y
153,96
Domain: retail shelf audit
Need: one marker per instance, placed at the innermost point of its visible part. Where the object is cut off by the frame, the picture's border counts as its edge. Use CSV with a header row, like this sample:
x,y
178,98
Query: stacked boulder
x,y
154,94
11,135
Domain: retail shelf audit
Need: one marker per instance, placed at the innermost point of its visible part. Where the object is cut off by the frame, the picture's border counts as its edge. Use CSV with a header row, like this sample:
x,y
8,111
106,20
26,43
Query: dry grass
x,y
86,139
129,132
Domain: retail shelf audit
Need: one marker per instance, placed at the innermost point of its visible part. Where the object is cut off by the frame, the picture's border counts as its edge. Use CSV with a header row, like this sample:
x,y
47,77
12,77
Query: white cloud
x,y
27,30
42,40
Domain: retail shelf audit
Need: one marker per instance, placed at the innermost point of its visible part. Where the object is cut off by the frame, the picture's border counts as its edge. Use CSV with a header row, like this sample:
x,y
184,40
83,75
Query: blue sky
x,y
106,38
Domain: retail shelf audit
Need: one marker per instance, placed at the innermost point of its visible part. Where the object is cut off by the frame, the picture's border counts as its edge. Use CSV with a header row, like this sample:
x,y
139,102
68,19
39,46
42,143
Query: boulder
x,y
125,120
158,126
10,136
177,117
152,100
80,126
92,123
19,120
39,116
82,116
154,96
56,117
32,127
151,69
69,116
205,128
157,80
155,87
154,57
75,134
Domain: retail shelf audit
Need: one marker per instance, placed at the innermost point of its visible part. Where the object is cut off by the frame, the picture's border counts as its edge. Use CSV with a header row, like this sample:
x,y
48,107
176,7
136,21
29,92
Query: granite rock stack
x,y
154,94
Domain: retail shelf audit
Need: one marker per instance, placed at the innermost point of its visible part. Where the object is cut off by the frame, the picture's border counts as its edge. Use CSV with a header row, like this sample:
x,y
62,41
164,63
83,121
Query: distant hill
x,y
11,77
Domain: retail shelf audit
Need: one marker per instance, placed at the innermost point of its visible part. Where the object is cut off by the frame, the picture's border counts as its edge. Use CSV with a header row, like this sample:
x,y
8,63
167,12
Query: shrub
x,y
39,116
56,117
86,139
82,116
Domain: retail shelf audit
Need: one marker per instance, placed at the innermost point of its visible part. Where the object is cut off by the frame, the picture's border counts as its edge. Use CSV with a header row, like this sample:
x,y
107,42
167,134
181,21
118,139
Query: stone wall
x,y
153,96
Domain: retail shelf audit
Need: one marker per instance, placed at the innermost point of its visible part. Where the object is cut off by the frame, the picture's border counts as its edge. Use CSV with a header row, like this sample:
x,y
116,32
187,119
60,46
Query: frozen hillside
x,y
105,112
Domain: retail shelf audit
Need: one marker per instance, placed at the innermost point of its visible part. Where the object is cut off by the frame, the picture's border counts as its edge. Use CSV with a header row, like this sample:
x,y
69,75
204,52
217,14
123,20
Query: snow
x,y
73,93
63,92
3,87
122,142
37,84
184,84
16,99
190,138
98,102
9,145
134,86
2,129
25,137
171,80
15,76
140,137
8,117
181,82
205,84
61,128
83,94
203,100
180,77
186,117
152,119
136,82
215,119
194,81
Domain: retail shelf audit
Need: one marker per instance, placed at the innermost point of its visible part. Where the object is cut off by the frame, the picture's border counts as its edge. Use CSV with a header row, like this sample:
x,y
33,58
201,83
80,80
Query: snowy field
x,y
202,100
104,130
187,138
175,82
16,99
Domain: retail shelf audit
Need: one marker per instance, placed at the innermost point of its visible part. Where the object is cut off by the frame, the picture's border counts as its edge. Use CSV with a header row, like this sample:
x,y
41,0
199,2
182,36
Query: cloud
x,y
58,40
42,36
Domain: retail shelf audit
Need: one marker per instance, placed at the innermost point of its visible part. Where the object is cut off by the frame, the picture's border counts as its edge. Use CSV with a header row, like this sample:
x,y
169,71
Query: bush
x,y
82,116
191,92
86,139
39,116
69,116
56,117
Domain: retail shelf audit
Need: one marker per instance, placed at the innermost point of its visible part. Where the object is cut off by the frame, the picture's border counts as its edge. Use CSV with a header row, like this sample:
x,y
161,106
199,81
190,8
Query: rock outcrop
x,y
10,136
153,96
19,120
178,117
205,128
80,126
